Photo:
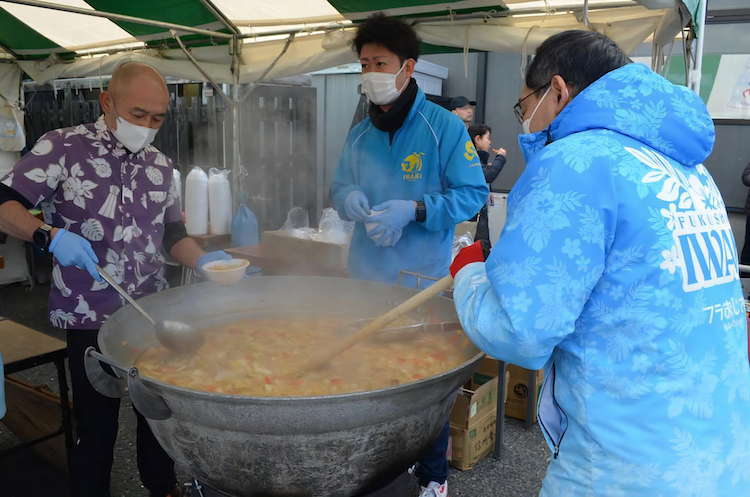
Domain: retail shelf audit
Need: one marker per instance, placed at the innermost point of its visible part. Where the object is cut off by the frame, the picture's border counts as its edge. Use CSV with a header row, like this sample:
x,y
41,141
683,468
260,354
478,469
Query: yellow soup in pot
x,y
259,357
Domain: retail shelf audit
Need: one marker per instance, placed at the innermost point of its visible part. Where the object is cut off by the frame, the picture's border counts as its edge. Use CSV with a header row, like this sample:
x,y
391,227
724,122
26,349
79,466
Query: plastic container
x,y
196,202
219,201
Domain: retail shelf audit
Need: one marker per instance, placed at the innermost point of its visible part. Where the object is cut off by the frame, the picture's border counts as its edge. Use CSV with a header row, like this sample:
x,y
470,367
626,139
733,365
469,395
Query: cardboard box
x,y
472,444
472,423
517,396
323,255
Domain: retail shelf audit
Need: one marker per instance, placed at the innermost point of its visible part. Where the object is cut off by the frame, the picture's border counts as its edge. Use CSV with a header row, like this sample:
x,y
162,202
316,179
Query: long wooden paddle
x,y
378,323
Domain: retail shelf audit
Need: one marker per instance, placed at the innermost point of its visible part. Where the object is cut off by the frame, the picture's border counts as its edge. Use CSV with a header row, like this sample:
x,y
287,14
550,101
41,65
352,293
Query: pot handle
x,y
150,404
103,382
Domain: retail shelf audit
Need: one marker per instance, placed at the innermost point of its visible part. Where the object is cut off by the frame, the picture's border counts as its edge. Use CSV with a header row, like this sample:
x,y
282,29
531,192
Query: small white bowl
x,y
226,272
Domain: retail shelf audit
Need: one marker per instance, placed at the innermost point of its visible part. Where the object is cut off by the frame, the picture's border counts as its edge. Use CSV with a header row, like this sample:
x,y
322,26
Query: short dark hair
x,y
394,34
579,57
478,130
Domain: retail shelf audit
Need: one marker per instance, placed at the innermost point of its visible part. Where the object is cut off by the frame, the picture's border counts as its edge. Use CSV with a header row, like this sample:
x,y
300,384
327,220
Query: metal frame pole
x,y
696,72
119,17
237,178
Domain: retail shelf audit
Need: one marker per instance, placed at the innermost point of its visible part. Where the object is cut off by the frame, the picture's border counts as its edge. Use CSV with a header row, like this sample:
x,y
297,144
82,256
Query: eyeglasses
x,y
517,108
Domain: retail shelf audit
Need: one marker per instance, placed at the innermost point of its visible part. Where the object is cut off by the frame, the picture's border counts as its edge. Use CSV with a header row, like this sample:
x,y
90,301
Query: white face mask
x,y
526,125
380,87
132,136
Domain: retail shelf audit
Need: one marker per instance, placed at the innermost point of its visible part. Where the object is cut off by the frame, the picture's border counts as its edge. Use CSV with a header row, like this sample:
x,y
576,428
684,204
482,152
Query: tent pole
x,y
197,65
119,17
237,177
220,16
696,72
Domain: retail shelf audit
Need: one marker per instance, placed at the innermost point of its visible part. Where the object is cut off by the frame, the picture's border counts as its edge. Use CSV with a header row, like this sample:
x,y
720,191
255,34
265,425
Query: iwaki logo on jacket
x,y
471,153
412,166
704,248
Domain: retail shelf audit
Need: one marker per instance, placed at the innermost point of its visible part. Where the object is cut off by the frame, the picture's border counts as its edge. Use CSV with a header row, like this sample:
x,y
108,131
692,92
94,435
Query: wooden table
x,y
275,266
24,348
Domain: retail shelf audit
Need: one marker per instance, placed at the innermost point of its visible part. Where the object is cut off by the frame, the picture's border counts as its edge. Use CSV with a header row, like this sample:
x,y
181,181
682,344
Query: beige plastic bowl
x,y
225,272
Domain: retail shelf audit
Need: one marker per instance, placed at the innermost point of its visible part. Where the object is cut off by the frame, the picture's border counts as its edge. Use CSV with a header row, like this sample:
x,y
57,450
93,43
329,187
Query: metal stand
x,y
397,488
530,404
419,277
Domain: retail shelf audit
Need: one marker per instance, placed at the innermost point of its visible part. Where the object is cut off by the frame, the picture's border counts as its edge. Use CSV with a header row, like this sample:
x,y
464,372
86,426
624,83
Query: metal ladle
x,y
174,335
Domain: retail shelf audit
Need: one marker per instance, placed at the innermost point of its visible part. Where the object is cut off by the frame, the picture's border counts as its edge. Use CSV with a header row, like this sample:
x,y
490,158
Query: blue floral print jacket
x,y
617,271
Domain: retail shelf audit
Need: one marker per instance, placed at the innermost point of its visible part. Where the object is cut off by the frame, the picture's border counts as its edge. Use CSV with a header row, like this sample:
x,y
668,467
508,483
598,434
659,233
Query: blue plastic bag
x,y
244,228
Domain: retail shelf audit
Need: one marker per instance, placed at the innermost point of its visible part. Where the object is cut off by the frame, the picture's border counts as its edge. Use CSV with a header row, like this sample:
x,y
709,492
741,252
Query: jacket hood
x,y
637,102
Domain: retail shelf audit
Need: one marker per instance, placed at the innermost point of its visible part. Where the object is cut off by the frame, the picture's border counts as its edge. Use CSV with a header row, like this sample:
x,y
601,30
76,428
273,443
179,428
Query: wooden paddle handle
x,y
378,323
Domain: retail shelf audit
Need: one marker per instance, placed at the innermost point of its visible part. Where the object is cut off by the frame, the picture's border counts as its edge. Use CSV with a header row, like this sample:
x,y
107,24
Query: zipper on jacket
x,y
557,443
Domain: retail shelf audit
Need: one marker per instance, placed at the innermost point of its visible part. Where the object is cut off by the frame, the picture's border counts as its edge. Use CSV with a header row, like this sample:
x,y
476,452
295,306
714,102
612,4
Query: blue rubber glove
x,y
74,250
391,222
217,255
356,206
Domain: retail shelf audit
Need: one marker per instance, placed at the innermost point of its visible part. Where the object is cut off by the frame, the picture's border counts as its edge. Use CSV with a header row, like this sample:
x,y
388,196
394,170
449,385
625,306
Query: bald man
x,y
107,196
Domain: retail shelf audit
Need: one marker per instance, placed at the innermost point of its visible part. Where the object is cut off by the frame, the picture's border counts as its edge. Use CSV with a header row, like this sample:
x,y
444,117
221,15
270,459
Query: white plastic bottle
x,y
196,202
219,201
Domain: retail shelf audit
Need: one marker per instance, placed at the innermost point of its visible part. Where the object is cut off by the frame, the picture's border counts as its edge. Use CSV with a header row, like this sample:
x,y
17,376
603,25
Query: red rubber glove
x,y
467,255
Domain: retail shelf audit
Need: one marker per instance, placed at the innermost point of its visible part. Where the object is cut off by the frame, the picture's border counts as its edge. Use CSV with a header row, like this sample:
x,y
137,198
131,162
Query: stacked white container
x,y
196,202
219,201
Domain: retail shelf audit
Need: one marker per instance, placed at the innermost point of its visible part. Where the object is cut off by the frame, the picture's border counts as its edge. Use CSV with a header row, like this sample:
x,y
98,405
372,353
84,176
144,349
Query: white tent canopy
x,y
278,39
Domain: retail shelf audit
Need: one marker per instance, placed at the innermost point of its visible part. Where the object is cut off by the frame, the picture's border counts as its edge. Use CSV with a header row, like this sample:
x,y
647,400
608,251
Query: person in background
x,y
463,108
108,198
745,256
414,163
480,135
617,272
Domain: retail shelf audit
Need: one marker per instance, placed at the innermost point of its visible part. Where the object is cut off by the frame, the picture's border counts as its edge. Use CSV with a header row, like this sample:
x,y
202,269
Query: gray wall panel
x,y
504,84
730,156
339,104
457,83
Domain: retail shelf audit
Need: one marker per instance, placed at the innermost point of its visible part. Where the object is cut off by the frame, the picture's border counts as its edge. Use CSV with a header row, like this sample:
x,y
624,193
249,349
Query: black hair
x,y
579,57
394,34
478,130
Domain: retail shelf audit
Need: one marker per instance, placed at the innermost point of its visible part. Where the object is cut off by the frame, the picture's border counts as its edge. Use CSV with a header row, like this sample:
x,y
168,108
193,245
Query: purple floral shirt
x,y
89,184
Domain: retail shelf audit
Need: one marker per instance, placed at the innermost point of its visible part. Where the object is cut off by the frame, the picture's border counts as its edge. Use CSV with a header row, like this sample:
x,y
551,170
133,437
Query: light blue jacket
x,y
617,268
431,159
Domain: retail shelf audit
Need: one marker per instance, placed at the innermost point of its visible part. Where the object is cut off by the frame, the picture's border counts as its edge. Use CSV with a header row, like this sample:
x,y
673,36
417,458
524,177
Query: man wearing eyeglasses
x,y
617,271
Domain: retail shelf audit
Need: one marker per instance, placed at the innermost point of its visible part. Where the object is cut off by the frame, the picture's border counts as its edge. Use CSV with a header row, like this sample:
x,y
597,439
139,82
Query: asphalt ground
x,y
518,473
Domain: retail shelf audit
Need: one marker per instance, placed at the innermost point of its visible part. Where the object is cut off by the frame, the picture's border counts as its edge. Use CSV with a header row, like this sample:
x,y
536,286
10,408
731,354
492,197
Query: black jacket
x,y
492,171
490,174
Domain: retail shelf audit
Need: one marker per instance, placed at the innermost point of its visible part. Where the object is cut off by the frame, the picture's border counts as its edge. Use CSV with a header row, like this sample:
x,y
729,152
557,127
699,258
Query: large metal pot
x,y
341,445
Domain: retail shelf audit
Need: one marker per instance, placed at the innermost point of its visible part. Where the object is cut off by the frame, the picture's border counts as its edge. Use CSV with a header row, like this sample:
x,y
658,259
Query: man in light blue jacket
x,y
414,163
410,159
617,271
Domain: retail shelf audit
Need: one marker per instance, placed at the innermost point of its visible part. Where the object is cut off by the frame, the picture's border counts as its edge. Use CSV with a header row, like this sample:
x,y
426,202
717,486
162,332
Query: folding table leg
x,y
67,422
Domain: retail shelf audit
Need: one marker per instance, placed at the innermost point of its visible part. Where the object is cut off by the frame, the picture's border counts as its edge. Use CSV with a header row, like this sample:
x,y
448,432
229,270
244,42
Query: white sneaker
x,y
435,489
